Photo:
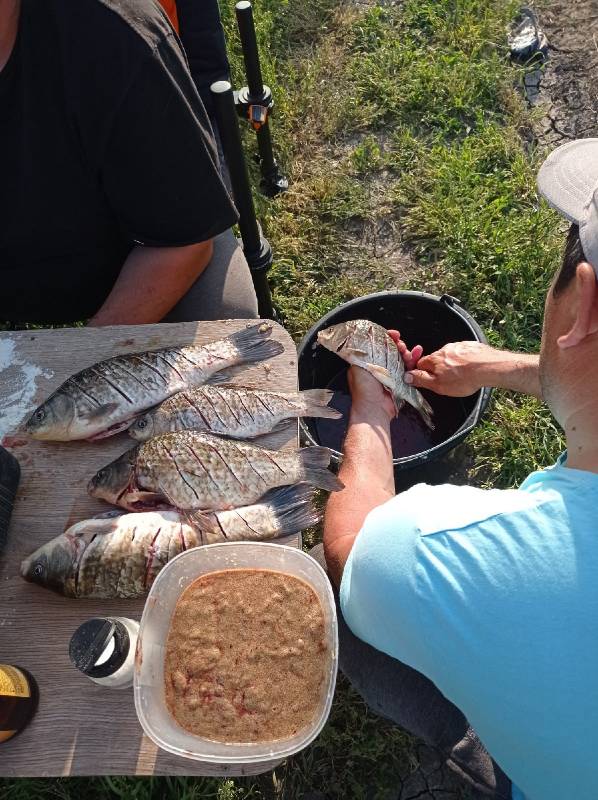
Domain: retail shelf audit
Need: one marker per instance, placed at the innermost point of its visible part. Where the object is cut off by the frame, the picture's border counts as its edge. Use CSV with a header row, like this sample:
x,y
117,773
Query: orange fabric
x,y
170,7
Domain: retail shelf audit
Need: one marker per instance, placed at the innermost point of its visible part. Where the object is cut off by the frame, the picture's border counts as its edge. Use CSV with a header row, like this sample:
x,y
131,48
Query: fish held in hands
x,y
239,412
194,471
120,555
368,345
104,399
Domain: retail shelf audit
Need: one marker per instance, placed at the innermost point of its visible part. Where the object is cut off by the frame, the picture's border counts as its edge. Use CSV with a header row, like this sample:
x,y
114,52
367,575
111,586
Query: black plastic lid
x,y
91,639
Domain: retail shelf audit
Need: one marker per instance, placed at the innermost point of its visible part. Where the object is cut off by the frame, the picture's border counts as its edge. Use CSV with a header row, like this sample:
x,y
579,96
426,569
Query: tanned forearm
x,y
461,368
518,372
367,473
151,282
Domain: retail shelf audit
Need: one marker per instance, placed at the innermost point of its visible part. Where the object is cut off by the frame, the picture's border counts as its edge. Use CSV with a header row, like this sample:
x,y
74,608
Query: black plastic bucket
x,y
422,319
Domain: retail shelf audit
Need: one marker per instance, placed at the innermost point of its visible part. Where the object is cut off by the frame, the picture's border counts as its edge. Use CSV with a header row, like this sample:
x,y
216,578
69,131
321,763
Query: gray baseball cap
x,y
568,179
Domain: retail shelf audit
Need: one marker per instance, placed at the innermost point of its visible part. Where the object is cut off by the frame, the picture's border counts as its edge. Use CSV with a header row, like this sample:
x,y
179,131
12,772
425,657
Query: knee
x,y
239,298
317,553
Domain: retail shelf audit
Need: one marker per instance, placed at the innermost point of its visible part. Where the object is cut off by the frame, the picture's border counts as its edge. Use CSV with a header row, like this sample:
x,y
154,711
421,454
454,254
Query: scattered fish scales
x,y
105,398
119,555
195,471
240,412
368,345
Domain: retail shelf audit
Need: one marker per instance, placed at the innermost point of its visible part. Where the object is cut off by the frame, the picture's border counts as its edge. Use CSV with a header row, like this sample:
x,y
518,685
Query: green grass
x,y
409,113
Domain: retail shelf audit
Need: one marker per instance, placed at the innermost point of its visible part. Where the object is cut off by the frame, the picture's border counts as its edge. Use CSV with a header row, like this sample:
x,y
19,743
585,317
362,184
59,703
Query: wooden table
x,y
81,728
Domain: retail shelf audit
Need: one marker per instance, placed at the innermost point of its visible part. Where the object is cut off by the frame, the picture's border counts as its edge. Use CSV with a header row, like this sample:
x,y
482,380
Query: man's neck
x,y
9,24
582,440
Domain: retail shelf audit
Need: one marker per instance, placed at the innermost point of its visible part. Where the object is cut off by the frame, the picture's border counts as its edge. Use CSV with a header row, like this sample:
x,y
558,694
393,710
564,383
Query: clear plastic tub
x,y
150,704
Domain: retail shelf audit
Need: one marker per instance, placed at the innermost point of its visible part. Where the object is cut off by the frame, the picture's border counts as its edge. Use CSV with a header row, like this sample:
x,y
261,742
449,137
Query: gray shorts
x,y
406,697
224,290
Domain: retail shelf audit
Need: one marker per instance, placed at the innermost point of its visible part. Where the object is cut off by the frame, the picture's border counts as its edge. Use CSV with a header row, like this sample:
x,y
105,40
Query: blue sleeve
x,y
378,592
417,572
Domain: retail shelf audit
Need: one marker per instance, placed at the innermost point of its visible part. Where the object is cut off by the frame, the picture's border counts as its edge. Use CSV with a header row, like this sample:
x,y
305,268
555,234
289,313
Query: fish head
x,y
335,337
142,428
114,480
53,419
51,566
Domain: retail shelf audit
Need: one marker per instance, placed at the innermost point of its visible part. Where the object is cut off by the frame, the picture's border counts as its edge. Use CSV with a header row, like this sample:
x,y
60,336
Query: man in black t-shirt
x,y
112,207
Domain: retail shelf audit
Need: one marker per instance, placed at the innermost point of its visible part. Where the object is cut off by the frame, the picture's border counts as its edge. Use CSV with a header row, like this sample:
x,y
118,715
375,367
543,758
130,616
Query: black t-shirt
x,y
104,144
203,39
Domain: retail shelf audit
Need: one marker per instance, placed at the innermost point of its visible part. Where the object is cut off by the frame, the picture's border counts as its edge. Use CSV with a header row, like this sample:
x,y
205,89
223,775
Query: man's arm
x,y
366,471
462,368
151,282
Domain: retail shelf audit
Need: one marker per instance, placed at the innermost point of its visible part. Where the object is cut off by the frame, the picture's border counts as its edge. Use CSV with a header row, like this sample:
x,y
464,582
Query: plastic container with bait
x,y
103,648
172,581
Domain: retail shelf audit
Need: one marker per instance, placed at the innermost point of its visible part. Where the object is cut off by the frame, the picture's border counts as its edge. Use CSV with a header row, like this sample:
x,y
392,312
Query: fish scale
x,y
121,555
190,470
368,345
241,412
106,397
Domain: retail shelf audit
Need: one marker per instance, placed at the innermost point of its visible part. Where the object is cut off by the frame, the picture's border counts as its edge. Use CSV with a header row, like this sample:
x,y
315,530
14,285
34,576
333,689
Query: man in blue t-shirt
x,y
476,611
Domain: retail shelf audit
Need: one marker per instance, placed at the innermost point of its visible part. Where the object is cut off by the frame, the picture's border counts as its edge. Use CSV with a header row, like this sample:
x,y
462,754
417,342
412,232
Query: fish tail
x,y
315,462
315,404
426,411
253,344
293,508
419,402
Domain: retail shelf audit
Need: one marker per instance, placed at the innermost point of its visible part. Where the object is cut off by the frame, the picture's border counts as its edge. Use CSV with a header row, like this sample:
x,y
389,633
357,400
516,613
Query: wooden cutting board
x,y
81,728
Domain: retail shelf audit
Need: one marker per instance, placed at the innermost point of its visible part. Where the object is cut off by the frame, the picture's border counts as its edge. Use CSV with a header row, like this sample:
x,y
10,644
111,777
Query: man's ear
x,y
585,308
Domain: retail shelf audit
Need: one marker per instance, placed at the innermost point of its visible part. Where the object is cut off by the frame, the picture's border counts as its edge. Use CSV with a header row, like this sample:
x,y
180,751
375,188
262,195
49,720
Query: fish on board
x,y
194,471
105,398
120,554
238,412
368,345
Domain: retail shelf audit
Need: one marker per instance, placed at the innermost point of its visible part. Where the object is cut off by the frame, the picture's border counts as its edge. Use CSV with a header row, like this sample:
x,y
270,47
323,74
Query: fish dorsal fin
x,y
203,521
87,529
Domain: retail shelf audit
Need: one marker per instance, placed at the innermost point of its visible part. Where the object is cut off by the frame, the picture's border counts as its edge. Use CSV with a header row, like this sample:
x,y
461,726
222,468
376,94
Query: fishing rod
x,y
255,103
256,248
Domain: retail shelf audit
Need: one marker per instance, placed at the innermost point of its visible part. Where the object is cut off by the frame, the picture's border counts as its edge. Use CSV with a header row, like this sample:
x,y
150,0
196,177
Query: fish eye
x,y
142,423
101,475
40,415
38,570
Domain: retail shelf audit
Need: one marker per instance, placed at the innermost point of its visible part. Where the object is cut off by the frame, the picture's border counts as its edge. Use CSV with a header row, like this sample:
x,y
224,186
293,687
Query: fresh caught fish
x,y
194,471
120,555
105,398
366,344
231,411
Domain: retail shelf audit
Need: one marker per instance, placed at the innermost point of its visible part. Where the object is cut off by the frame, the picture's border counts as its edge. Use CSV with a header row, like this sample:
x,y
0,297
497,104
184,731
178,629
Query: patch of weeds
x,y
369,753
431,65
470,210
366,157
521,436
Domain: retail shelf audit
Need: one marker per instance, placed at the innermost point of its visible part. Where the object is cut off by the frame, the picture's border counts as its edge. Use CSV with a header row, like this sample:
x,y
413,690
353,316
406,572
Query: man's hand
x,y
456,370
410,357
368,395
461,368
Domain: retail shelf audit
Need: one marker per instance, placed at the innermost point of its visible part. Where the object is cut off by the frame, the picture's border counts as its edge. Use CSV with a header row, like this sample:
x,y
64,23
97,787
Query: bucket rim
x,y
446,299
